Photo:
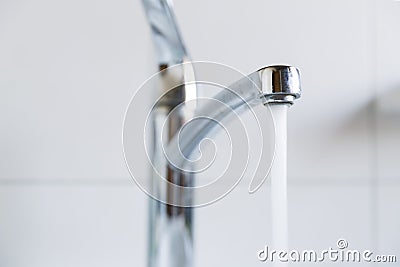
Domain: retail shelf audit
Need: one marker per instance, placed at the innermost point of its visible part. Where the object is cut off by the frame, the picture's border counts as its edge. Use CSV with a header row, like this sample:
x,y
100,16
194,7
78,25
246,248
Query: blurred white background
x,y
69,68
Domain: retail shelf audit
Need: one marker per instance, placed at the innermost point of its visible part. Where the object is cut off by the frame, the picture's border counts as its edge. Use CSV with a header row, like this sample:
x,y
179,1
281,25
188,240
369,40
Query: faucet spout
x,y
268,86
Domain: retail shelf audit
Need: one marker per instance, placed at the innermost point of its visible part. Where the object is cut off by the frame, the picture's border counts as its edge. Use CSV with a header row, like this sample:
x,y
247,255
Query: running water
x,y
279,183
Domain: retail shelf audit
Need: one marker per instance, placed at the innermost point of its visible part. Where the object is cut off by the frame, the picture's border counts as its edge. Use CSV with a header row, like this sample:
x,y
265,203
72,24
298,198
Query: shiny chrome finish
x,y
280,84
269,85
171,226
166,36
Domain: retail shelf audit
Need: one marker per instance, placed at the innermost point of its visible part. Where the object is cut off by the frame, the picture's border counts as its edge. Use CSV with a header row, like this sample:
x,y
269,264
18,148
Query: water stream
x,y
279,182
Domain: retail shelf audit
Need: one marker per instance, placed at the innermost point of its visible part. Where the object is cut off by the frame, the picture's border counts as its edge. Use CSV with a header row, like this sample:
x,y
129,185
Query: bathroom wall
x,y
69,68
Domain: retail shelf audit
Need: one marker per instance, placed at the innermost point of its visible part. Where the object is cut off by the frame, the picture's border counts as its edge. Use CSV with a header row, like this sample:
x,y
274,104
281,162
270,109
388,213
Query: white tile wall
x,y
70,225
231,231
388,85
388,220
69,68
321,214
332,55
68,71
105,225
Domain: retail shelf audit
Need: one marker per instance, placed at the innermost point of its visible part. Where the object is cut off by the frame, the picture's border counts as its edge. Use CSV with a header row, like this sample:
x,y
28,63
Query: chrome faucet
x,y
171,212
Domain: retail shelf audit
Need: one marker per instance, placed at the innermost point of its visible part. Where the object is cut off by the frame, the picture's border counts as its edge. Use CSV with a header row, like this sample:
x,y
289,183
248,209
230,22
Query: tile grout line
x,y
67,182
129,182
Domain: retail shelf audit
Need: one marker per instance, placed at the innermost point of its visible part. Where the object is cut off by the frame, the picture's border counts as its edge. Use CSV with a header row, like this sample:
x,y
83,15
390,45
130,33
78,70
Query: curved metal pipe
x,y
166,36
269,85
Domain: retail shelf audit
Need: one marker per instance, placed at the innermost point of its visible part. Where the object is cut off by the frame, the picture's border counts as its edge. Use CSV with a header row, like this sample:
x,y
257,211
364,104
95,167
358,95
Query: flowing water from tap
x,y
279,182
